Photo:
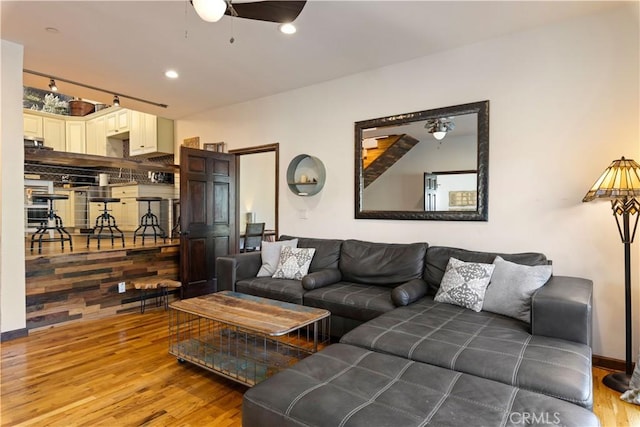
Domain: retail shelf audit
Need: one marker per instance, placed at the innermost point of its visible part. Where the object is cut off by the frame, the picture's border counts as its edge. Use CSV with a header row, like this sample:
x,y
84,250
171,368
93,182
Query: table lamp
x,y
620,183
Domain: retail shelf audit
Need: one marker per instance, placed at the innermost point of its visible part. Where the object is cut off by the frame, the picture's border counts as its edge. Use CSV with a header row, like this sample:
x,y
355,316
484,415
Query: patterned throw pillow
x,y
294,263
464,283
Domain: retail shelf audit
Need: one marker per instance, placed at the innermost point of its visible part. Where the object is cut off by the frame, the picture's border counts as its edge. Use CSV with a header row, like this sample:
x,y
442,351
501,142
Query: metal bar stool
x,y
51,223
149,220
106,227
175,231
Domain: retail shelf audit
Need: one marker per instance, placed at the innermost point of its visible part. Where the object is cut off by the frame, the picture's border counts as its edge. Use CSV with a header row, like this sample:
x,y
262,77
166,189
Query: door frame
x,y
254,150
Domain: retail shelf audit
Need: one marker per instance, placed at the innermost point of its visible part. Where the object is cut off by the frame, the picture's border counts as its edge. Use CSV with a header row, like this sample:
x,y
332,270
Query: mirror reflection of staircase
x,y
389,150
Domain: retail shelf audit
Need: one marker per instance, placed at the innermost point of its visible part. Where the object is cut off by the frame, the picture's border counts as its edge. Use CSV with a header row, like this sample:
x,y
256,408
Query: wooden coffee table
x,y
243,337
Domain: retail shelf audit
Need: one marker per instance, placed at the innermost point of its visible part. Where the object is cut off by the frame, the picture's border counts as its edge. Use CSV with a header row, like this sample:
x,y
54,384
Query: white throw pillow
x,y
294,263
464,283
512,286
270,252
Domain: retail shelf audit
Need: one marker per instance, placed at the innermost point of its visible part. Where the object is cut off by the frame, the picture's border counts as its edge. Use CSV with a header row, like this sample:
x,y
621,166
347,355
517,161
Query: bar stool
x,y
51,222
149,220
175,231
106,227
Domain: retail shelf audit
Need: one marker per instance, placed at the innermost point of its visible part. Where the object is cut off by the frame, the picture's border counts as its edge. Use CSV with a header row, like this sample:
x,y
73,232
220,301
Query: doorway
x,y
257,192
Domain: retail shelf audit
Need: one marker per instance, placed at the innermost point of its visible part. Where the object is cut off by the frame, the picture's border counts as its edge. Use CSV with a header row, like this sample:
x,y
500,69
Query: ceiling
x,y
126,46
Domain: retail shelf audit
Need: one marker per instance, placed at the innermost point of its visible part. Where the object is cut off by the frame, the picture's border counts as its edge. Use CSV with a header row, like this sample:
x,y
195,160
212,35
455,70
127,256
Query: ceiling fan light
x,y
52,85
210,10
439,135
287,28
116,101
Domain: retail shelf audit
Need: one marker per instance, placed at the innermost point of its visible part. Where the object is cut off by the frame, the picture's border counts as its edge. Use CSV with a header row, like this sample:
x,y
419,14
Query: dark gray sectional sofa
x,y
404,359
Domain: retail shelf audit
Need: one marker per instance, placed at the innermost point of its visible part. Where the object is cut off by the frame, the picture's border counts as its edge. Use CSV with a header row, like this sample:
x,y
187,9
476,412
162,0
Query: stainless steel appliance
x,y
35,209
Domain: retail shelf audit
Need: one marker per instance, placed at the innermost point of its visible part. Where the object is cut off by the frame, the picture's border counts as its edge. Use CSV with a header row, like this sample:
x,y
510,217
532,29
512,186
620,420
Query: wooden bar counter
x,y
70,286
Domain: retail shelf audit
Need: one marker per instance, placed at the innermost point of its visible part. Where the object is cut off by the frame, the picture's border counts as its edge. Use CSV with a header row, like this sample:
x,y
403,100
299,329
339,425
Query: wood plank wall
x,y
78,286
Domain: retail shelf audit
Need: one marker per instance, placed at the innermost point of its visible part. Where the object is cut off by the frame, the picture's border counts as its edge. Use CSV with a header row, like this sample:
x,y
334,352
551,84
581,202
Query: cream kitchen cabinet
x,y
97,141
118,122
150,134
32,125
96,136
76,136
54,133
64,208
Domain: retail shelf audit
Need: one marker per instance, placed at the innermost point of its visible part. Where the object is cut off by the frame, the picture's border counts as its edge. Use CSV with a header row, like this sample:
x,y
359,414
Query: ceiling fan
x,y
270,11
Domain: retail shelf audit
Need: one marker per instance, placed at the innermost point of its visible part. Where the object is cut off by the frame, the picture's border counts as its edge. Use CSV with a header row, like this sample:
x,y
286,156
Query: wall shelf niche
x,y
306,175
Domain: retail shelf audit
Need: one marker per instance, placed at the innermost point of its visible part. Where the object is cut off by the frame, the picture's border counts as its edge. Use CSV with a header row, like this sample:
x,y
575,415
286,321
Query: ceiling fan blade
x,y
271,11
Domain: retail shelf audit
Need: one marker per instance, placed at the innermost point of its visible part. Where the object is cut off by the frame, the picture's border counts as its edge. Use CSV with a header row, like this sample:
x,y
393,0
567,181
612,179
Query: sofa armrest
x,y
230,269
562,309
409,292
321,278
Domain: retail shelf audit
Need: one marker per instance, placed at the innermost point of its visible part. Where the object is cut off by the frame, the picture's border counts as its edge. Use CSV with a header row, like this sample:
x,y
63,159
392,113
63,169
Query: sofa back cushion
x,y
383,264
438,258
327,252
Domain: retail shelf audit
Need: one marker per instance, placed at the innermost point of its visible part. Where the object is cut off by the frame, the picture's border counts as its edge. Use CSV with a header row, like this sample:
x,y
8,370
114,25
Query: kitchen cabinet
x,y
96,136
54,133
76,136
150,134
64,208
97,141
32,125
117,122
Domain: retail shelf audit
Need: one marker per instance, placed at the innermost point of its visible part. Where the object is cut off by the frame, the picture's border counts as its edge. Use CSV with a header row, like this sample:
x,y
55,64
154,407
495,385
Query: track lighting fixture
x,y
116,98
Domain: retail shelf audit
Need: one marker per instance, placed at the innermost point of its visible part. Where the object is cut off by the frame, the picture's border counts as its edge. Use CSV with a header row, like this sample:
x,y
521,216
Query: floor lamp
x,y
620,183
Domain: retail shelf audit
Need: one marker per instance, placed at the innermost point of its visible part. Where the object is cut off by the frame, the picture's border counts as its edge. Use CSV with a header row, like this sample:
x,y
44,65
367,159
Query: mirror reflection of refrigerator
x,y
35,209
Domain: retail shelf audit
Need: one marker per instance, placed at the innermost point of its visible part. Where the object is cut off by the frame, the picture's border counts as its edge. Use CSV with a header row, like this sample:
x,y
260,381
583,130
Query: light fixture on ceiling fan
x,y
210,10
439,127
281,12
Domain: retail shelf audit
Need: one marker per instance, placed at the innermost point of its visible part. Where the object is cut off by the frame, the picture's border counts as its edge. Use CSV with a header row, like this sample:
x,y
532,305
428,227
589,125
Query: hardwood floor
x,y
118,372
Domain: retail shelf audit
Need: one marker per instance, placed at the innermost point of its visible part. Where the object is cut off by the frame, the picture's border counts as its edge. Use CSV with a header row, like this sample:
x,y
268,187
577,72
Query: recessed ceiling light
x,y
287,28
172,74
52,30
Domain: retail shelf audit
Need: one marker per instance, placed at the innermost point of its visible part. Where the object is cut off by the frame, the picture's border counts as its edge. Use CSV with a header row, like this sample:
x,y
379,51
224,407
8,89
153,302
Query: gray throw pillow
x,y
465,283
512,286
270,252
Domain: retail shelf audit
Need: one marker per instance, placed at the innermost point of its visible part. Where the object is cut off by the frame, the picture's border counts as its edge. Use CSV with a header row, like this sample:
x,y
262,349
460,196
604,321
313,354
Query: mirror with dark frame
x,y
427,165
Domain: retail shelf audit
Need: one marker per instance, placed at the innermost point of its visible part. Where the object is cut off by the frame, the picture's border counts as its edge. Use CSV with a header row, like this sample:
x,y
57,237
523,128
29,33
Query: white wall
x,y
12,272
564,104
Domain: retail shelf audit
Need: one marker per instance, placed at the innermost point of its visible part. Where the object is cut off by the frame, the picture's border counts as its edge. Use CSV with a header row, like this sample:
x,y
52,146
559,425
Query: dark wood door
x,y
207,217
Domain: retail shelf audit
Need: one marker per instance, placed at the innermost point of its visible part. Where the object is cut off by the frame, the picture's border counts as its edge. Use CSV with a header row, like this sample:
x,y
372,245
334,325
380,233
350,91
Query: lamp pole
x,y
619,381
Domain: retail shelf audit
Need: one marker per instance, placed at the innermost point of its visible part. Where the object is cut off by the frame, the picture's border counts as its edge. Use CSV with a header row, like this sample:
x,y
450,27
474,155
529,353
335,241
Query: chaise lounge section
x,y
406,359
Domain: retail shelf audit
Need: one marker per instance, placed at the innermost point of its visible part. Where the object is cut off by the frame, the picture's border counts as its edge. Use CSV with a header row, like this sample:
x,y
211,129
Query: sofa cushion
x,y
383,264
465,283
351,300
294,263
287,290
438,258
483,344
327,251
270,254
512,286
348,386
